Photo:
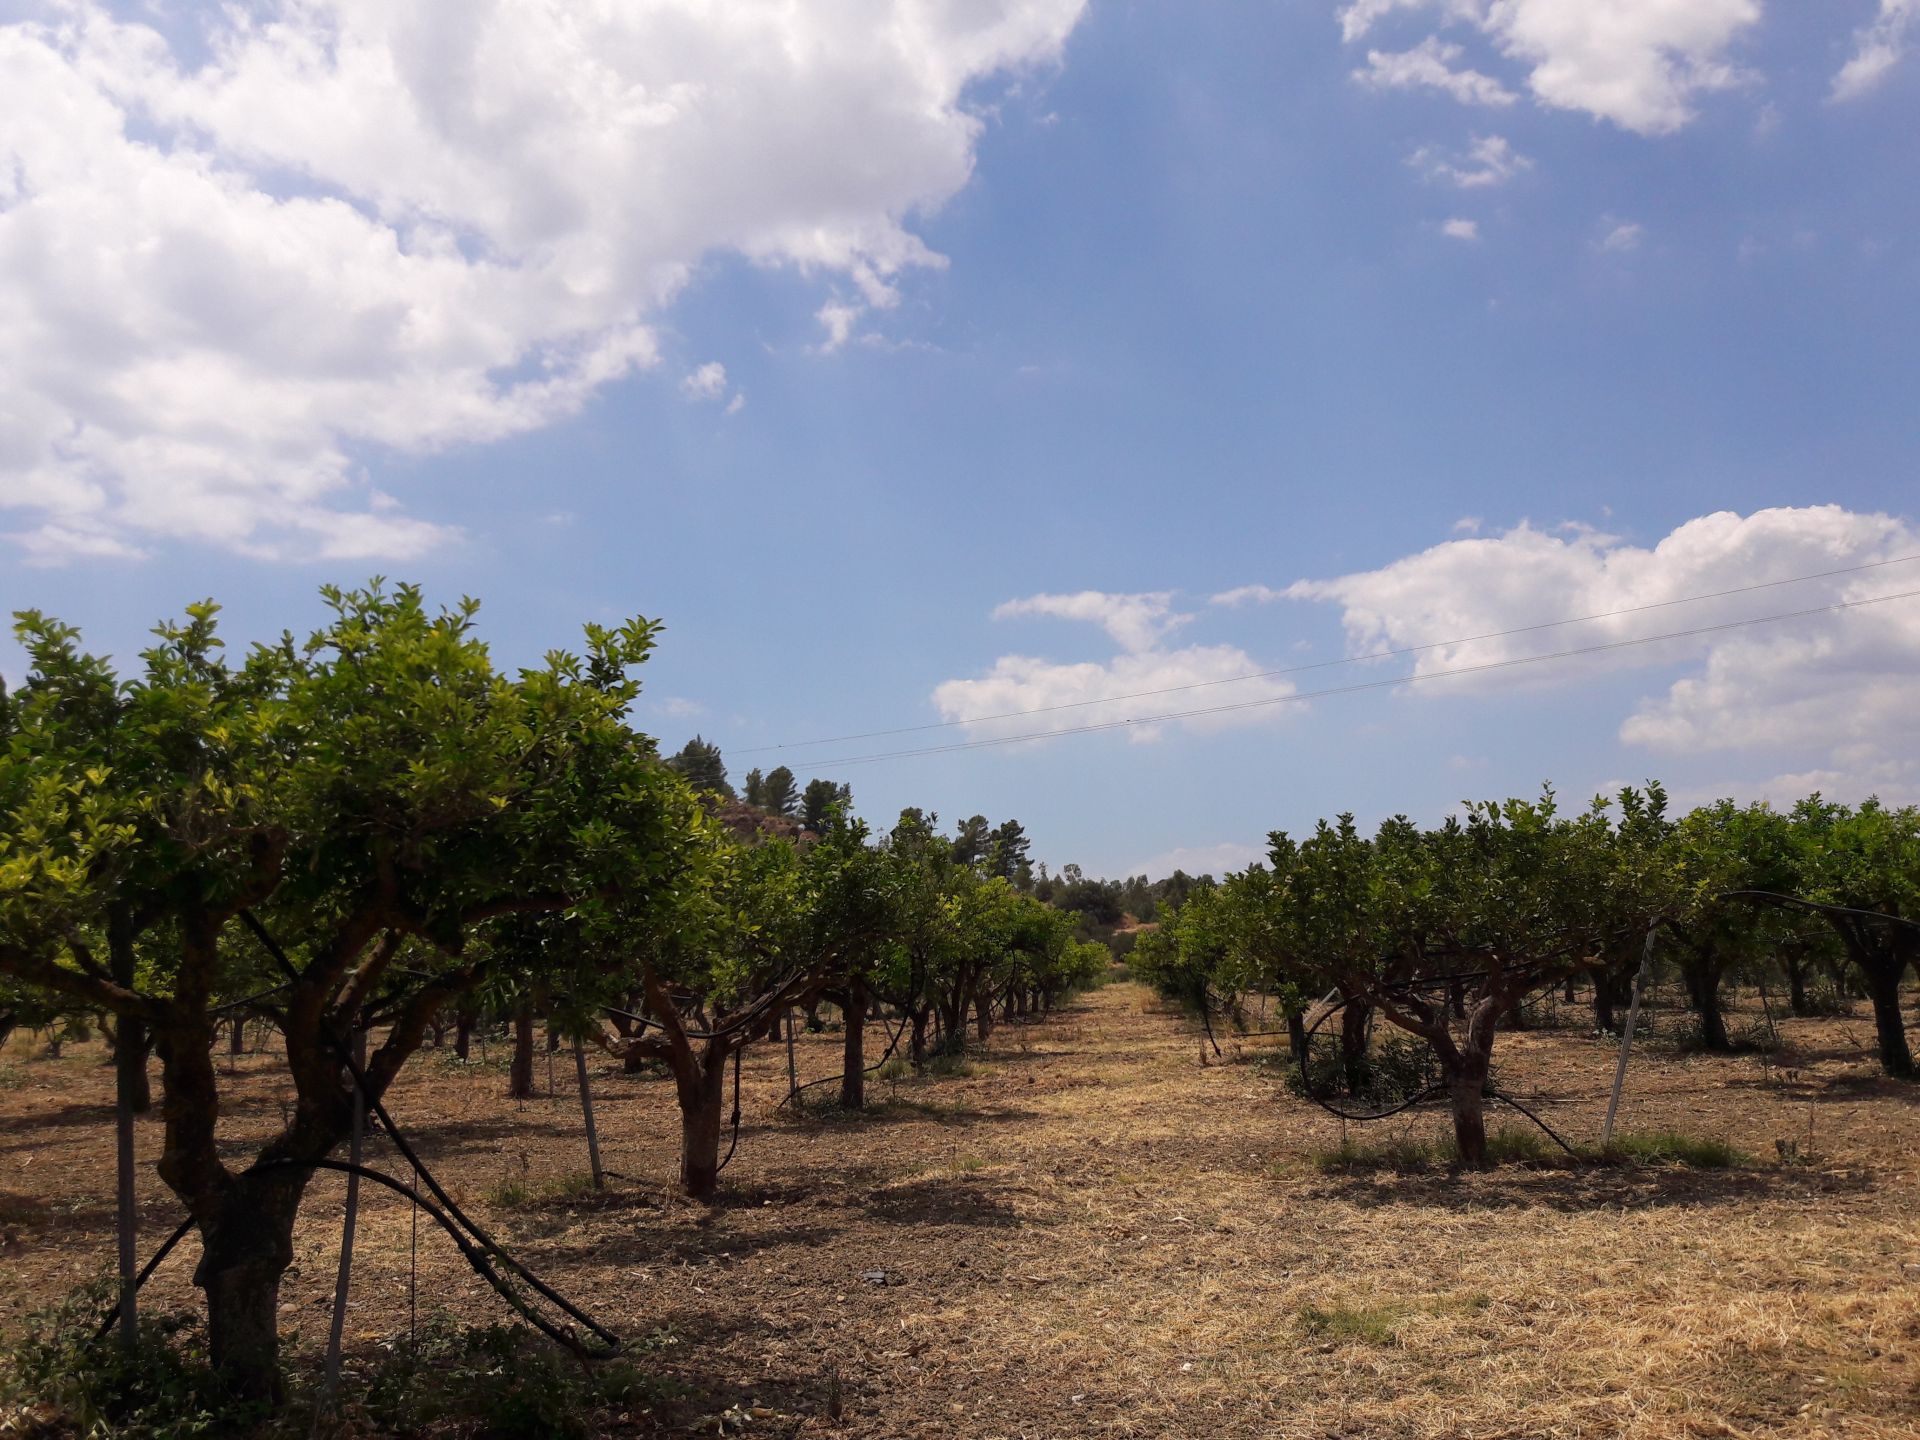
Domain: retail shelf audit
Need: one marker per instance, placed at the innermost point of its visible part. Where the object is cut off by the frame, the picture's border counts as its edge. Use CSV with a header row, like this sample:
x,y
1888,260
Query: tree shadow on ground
x,y
1850,1089
692,1245
1574,1189
941,1200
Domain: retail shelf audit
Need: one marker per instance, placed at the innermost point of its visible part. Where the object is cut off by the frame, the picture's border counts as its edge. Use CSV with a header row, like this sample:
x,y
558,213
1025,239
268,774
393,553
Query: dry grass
x,y
1090,1234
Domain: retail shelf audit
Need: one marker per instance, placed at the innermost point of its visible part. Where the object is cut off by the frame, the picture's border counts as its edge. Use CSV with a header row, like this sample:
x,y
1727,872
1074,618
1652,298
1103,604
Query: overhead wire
x,y
1389,682
1329,664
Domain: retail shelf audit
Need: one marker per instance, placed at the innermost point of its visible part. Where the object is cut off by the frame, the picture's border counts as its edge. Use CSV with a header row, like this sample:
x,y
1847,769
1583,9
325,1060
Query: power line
x,y
1319,664
1304,696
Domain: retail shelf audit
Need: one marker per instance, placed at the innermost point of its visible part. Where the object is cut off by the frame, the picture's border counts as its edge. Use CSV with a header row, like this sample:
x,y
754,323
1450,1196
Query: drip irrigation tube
x,y
886,1055
485,1241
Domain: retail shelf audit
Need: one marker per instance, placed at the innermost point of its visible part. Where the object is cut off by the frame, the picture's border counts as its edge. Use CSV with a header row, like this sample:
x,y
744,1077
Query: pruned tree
x,y
304,815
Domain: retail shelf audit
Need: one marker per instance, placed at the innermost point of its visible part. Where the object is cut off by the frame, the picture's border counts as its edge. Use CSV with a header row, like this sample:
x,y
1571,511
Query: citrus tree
x,y
294,820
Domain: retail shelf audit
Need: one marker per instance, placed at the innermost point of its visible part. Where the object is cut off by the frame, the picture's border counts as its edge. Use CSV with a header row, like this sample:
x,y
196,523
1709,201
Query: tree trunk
x,y
245,1251
1606,997
1467,1093
237,1035
1353,1045
918,1044
701,1093
853,1059
1796,969
982,1015
520,1073
1703,992
463,1033
1883,988
1296,1033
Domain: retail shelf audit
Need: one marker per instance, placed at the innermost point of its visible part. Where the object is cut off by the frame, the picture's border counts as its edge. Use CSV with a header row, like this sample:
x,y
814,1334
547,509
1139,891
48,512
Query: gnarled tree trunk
x,y
853,1056
520,1073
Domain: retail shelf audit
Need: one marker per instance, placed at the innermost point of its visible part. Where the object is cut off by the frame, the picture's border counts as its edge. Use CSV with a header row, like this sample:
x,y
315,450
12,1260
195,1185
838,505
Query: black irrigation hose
x,y
486,1241
886,1055
1821,907
1432,1092
734,1144
1506,1099
475,1257
112,1316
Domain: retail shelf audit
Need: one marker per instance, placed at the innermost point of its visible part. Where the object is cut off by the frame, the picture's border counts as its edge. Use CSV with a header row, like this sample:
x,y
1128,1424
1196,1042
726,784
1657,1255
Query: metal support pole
x,y
345,1277
1626,1039
586,1108
793,1074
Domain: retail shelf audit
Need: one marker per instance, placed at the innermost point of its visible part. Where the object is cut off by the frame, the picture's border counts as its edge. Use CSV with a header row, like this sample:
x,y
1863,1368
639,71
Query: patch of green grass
x,y
967,1164
1517,1146
508,1194
950,1066
1399,1153
518,1192
1379,1324
1673,1147
896,1067
1368,1324
12,1077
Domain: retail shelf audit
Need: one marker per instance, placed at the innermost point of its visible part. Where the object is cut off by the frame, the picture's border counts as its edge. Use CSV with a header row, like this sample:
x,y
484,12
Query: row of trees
x,y
1446,932
360,833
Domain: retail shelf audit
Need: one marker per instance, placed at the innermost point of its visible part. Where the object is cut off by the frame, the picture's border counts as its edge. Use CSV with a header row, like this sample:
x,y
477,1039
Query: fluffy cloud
x,y
1623,235
1637,63
1156,679
1459,229
1247,594
1430,66
1136,622
1489,160
1841,688
705,382
237,254
1877,49
1075,694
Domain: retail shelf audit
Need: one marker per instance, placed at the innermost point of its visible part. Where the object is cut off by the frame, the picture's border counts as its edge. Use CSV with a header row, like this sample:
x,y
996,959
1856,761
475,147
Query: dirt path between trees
x,y
1090,1234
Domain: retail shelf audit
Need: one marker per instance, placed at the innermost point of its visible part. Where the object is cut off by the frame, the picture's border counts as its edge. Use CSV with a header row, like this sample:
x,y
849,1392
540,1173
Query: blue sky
x,y
1120,306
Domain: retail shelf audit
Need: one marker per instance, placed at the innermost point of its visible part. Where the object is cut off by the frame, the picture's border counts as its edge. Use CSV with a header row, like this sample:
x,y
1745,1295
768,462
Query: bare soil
x,y
1094,1234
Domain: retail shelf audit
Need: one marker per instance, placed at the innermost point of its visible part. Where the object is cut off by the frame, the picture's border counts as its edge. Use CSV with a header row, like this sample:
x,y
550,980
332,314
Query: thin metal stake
x,y
1626,1040
793,1075
586,1108
345,1278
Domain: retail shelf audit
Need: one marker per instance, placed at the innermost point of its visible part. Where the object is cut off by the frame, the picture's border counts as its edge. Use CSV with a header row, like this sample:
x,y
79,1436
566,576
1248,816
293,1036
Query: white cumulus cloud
x,y
1459,229
1036,695
243,254
1490,160
1840,688
1431,65
1638,63
1070,694
1136,622
705,382
1623,235
1877,49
